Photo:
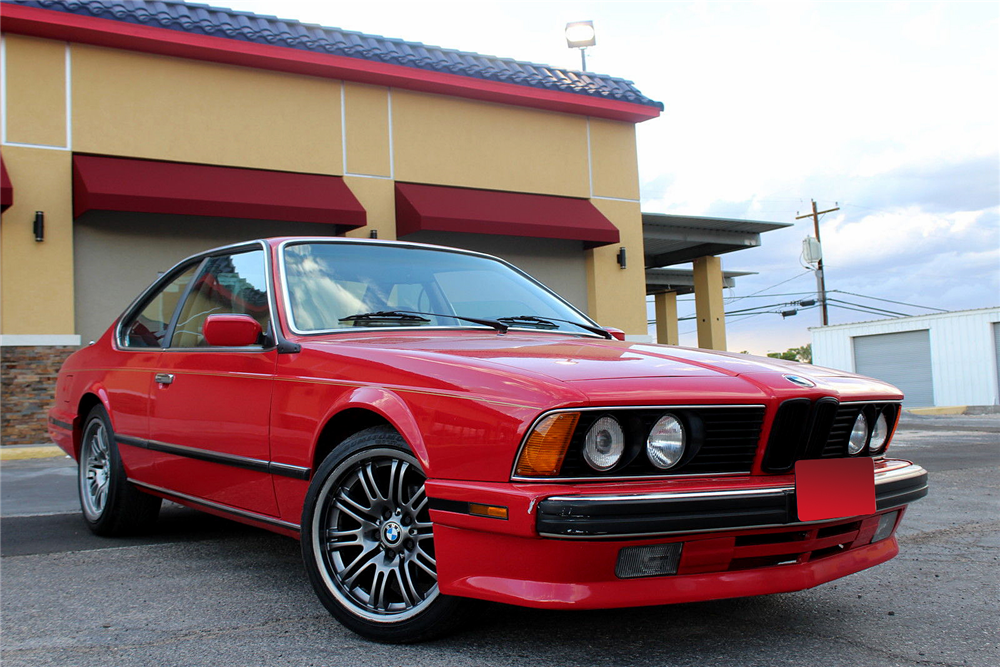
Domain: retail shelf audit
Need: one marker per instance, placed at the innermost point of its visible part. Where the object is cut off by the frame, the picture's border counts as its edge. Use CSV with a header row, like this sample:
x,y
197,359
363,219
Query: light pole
x,y
580,35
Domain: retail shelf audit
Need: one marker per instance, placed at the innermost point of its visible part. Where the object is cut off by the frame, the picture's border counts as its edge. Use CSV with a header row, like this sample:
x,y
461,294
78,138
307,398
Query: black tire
x,y
367,542
111,506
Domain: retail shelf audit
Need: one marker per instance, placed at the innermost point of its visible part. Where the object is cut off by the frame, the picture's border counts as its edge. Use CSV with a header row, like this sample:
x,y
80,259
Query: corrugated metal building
x,y
937,360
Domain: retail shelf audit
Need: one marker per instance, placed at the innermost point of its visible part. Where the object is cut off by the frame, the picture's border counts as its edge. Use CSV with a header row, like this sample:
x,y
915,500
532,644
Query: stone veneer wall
x,y
27,389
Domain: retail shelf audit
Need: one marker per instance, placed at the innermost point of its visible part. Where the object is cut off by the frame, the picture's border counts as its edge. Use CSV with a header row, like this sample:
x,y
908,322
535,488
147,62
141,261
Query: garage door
x,y
902,359
996,345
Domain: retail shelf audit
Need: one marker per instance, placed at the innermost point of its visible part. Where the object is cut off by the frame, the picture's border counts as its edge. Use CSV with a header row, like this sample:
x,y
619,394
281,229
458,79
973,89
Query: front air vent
x,y
788,435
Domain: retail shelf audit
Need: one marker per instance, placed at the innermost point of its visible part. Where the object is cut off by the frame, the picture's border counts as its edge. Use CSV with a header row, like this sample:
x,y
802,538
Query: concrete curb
x,y
943,410
20,452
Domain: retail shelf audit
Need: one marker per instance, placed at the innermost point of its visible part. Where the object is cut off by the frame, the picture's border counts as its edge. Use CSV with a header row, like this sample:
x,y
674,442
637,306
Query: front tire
x,y
368,543
111,506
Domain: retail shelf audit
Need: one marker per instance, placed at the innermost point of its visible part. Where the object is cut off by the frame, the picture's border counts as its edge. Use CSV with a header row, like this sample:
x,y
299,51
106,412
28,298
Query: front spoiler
x,y
655,514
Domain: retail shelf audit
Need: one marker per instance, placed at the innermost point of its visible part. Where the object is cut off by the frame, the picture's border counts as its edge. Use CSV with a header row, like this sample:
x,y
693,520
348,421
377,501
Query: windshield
x,y
330,284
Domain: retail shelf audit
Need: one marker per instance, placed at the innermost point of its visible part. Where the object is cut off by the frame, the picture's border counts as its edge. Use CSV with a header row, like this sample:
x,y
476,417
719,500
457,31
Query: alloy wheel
x,y
95,469
372,536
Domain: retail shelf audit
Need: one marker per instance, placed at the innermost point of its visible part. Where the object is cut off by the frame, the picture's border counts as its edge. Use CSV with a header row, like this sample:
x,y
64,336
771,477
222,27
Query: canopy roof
x,y
677,239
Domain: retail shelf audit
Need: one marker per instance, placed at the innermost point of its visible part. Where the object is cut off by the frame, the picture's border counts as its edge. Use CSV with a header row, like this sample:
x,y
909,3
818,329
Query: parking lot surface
x,y
205,591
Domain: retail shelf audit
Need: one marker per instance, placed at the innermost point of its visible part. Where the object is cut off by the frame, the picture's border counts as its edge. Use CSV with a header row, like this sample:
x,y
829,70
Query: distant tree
x,y
803,354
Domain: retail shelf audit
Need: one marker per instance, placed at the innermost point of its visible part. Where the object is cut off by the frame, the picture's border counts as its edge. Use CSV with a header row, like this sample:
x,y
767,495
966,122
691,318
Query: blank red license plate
x,y
834,488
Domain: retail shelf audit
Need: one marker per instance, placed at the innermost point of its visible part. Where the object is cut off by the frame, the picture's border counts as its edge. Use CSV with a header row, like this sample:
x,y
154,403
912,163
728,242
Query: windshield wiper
x,y
415,316
384,315
547,322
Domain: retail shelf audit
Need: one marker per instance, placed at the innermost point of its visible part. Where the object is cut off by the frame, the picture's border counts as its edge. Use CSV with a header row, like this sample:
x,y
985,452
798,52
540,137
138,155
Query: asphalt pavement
x,y
205,591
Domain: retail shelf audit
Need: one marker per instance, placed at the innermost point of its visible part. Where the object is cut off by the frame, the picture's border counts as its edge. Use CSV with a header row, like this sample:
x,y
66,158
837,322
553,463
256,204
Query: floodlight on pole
x,y
580,35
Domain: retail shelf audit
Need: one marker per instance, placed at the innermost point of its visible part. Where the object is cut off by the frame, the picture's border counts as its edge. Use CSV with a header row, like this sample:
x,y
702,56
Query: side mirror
x,y
231,330
617,334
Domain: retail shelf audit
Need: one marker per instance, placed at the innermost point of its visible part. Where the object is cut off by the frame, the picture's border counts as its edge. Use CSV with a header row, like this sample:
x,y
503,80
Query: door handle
x,y
164,378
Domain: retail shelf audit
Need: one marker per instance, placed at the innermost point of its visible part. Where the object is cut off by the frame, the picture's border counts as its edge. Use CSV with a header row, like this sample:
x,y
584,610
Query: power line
x,y
739,298
866,311
874,309
901,303
798,275
751,296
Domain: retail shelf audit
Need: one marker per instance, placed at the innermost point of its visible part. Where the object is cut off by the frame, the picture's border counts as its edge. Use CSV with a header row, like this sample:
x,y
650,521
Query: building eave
x,y
50,24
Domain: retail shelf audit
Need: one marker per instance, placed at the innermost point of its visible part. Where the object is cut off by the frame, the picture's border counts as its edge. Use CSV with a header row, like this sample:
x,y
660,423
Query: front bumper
x,y
740,536
653,514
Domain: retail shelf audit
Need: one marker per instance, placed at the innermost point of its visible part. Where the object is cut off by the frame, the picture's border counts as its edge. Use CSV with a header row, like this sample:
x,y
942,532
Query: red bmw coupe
x,y
436,426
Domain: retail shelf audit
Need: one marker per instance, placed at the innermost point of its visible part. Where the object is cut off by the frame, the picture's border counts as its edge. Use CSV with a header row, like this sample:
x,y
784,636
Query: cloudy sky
x,y
889,110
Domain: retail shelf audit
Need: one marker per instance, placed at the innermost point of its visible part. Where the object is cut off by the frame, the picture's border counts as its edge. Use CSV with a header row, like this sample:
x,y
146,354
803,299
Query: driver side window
x,y
149,326
226,285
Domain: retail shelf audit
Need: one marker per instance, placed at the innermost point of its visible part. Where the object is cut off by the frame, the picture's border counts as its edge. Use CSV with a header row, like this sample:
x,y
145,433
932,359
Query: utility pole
x,y
820,281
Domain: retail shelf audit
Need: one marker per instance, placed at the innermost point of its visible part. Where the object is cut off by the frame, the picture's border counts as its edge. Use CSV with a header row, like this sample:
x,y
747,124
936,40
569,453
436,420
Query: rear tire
x,y
111,506
368,545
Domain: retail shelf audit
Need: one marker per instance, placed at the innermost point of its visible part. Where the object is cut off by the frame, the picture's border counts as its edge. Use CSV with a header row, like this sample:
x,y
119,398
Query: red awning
x,y
6,189
443,209
146,186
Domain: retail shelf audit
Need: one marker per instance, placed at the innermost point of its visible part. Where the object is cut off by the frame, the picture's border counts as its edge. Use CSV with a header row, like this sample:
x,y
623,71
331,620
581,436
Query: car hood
x,y
575,358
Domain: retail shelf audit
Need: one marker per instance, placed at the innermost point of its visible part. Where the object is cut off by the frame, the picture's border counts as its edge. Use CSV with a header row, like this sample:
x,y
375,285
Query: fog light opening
x,y
648,561
886,523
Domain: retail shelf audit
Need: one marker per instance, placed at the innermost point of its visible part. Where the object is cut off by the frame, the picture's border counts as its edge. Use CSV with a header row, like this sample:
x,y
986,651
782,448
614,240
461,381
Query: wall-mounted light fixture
x,y
621,257
580,35
39,226
373,234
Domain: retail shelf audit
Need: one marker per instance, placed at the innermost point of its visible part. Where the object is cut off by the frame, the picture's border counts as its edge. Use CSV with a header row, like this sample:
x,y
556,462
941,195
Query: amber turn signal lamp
x,y
491,511
546,447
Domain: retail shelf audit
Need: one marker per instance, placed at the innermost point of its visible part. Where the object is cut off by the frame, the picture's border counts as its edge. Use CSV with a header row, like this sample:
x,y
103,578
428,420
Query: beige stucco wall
x,y
366,137
35,76
617,296
452,141
37,278
157,107
614,163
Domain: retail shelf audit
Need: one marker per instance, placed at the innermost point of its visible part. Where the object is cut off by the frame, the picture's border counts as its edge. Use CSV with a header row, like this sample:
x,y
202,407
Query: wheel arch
x,y
364,408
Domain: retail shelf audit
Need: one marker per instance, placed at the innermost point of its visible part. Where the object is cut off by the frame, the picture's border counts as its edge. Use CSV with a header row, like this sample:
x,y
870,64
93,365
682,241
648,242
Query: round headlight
x,y
880,434
604,444
859,435
665,444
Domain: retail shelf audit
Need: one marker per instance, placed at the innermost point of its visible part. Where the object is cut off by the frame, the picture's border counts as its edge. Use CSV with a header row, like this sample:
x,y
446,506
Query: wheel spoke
x,y
370,485
419,500
101,439
430,567
339,539
379,586
359,565
395,476
407,585
353,509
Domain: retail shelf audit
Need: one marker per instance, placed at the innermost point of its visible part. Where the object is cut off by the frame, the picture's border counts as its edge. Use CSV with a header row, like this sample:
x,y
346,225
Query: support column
x,y
709,306
666,318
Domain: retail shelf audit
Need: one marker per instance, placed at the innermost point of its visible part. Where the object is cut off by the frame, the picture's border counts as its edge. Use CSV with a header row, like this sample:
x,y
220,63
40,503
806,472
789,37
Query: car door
x,y
139,339
209,406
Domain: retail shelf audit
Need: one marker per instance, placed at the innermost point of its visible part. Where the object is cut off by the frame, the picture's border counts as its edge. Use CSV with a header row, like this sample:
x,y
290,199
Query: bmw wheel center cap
x,y
391,533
